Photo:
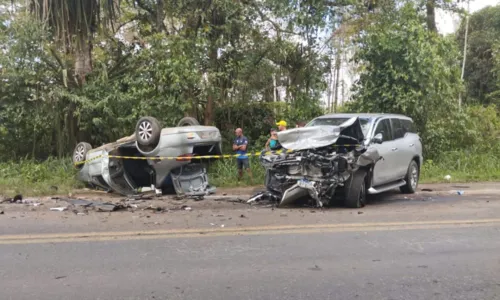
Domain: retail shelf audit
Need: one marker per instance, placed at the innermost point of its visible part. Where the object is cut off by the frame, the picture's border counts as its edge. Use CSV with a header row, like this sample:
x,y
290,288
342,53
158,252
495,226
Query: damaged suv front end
x,y
318,163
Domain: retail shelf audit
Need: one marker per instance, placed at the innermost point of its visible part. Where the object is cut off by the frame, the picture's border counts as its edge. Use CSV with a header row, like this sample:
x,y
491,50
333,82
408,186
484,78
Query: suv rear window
x,y
408,126
400,127
398,130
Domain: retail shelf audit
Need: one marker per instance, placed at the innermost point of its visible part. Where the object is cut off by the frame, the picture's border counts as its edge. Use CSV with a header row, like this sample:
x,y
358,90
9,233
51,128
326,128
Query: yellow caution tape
x,y
188,158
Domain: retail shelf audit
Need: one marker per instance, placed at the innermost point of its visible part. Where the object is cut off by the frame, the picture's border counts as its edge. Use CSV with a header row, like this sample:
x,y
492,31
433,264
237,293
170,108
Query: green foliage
x,y
483,35
37,178
471,165
224,173
408,70
168,70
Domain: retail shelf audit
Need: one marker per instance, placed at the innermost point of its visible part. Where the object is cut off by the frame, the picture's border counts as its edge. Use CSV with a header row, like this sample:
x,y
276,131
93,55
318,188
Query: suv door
x,y
401,156
412,145
383,171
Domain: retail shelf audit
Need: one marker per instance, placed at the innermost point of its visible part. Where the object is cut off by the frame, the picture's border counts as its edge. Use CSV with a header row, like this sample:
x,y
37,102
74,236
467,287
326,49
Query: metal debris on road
x,y
59,208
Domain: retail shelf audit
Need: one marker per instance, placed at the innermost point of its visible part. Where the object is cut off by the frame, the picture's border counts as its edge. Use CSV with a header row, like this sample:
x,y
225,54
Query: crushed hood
x,y
321,136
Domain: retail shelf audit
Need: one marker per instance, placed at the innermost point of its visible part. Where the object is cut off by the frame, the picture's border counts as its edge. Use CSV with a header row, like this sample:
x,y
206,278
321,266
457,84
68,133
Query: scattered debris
x,y
59,208
460,193
222,226
426,190
242,216
16,199
316,268
2,212
60,277
447,177
212,224
360,212
79,202
185,207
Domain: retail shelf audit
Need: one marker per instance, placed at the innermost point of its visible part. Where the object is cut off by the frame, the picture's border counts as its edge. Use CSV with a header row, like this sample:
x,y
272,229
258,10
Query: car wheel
x,y
148,131
80,154
412,176
355,190
188,121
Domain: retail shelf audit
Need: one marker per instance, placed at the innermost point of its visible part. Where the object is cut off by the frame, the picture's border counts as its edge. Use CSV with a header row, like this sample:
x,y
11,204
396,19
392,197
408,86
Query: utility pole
x,y
465,50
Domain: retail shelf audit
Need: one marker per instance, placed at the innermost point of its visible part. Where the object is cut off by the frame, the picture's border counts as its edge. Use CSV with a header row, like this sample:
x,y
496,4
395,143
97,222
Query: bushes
x,y
476,129
38,178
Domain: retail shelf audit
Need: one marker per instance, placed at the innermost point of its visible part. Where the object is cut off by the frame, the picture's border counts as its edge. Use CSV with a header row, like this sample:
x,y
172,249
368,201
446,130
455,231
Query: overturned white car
x,y
336,157
160,158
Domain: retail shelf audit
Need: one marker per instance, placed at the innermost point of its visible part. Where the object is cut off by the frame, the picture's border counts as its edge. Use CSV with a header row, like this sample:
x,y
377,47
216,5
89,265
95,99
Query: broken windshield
x,y
365,123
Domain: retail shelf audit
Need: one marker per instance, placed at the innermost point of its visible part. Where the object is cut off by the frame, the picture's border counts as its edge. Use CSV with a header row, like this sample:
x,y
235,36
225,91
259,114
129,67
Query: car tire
x,y
188,121
80,154
148,131
355,190
411,178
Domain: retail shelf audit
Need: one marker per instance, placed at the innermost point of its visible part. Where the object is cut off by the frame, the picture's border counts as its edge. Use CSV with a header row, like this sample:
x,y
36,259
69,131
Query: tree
x,y
74,24
407,69
484,33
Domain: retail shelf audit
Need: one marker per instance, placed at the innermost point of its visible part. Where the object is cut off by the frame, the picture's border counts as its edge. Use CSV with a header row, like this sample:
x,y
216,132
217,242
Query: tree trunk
x,y
337,80
160,15
209,108
83,62
431,15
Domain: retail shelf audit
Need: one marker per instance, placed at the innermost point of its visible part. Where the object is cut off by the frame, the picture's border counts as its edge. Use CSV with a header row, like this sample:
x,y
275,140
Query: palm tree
x,y
74,24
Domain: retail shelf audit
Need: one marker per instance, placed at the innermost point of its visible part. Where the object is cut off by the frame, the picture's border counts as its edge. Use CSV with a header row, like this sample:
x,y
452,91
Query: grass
x,y
463,166
32,178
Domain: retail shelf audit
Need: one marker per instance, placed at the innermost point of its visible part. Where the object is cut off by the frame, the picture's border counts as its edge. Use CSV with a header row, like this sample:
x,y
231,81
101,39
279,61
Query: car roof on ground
x,y
362,115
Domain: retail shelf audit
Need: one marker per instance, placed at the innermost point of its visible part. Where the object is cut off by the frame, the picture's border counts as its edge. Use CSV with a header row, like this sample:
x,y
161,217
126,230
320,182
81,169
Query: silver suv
x,y
397,142
343,157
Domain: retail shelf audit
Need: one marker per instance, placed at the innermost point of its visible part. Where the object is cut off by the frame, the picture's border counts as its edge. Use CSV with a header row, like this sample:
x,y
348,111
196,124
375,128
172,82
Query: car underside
x,y
166,160
319,164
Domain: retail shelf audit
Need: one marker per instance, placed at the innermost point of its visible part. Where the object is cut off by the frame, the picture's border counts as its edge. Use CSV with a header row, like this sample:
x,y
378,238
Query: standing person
x,y
272,143
240,145
281,125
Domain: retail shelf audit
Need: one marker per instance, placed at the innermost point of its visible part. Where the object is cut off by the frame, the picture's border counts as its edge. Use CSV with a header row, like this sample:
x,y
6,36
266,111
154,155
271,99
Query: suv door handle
x,y
411,145
394,149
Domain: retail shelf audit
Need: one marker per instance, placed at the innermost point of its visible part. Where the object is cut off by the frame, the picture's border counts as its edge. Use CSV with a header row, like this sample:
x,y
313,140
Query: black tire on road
x,y
80,154
411,178
148,131
355,190
188,121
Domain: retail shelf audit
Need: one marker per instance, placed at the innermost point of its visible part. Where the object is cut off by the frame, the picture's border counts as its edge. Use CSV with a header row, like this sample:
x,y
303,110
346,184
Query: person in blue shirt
x,y
240,146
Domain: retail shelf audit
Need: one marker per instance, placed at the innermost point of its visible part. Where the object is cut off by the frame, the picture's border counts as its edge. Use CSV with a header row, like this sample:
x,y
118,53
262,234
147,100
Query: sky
x,y
447,23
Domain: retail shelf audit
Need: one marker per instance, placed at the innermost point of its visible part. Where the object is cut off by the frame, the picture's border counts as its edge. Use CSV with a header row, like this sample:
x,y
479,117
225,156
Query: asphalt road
x,y
404,260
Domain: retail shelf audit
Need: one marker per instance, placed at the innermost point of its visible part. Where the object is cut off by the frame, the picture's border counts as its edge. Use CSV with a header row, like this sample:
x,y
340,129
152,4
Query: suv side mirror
x,y
378,138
